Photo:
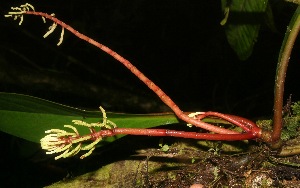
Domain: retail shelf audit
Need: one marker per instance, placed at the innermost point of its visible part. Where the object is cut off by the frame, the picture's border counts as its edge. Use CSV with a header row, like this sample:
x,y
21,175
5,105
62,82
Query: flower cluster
x,y
18,12
58,140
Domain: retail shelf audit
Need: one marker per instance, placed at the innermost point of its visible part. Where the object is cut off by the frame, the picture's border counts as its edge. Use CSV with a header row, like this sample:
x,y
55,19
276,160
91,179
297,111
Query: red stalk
x,y
244,123
252,131
167,132
183,134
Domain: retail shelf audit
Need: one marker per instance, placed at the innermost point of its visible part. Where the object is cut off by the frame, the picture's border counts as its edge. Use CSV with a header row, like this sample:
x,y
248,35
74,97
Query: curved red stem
x,y
244,123
252,131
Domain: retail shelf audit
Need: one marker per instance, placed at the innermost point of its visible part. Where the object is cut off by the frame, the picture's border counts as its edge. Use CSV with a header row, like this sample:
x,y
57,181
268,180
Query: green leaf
x,y
29,117
242,27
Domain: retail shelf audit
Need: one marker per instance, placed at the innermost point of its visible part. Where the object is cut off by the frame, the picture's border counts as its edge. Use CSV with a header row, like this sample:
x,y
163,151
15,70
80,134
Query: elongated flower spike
x,y
58,140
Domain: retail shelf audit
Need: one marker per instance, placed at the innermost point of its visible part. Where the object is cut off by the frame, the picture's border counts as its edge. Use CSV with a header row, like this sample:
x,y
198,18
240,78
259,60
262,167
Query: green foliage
x,y
243,24
291,124
163,147
265,124
290,129
296,108
193,160
29,117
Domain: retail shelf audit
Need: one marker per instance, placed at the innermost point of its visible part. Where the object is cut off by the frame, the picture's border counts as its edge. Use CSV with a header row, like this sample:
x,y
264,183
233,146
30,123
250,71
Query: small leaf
x,y
165,148
193,160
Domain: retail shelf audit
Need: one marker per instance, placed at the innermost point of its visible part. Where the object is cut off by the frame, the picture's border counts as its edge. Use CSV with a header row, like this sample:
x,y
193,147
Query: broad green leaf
x,y
242,27
29,117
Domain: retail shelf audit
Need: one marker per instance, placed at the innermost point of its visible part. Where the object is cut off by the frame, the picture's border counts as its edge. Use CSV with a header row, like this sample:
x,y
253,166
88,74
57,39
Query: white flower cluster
x,y
58,140
19,11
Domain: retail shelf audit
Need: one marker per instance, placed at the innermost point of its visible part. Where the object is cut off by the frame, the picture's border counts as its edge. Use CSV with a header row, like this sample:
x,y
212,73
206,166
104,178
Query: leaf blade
x,y
29,117
242,27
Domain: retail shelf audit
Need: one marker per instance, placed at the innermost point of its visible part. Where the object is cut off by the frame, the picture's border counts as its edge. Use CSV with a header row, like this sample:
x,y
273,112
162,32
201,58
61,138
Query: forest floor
x,y
186,163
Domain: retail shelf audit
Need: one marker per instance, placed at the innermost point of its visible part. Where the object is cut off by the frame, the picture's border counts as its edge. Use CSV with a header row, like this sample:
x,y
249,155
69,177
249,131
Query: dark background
x,y
178,44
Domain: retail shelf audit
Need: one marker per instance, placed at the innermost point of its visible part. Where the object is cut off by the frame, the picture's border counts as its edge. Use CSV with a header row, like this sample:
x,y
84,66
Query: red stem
x,y
173,133
252,131
163,96
244,123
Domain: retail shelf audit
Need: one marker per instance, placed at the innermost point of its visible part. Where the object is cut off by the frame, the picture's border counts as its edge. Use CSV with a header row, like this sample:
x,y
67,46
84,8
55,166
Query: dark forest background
x,y
179,44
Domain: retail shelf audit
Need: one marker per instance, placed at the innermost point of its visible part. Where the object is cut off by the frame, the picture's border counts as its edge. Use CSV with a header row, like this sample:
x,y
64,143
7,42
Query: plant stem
x,y
173,133
163,96
283,60
244,123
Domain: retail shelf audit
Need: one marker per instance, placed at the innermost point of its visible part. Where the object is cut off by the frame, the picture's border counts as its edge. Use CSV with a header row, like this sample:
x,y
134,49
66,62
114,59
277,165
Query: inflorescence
x,y
18,13
58,140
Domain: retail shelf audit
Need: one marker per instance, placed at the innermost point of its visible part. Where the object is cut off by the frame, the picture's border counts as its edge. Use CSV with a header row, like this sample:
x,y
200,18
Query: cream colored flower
x,y
61,141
